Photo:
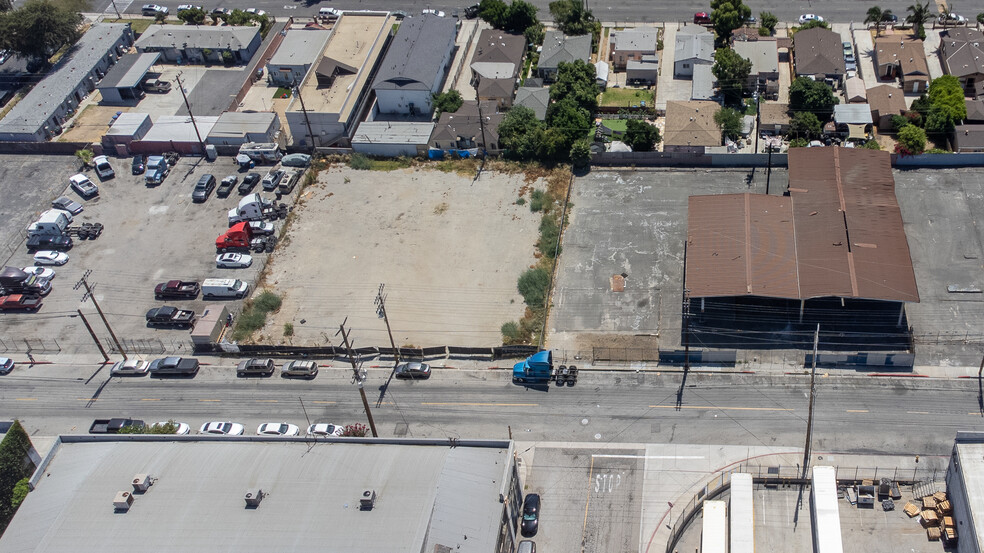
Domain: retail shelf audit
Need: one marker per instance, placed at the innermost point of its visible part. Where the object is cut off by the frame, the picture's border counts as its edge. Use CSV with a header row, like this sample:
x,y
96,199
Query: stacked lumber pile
x,y
936,516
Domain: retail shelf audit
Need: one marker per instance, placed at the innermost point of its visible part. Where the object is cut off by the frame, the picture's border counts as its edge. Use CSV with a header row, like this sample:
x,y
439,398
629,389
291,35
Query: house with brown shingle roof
x,y
773,118
885,101
962,54
903,57
818,52
690,126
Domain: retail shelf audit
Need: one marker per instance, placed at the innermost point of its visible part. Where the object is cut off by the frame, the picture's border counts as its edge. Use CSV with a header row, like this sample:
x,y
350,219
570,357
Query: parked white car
x,y
130,367
329,12
256,12
49,257
233,261
807,17
277,429
41,272
180,427
222,428
83,186
432,12
325,430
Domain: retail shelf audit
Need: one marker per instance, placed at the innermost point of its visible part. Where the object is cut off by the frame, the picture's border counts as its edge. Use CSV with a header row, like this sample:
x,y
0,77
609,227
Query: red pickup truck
x,y
177,290
20,302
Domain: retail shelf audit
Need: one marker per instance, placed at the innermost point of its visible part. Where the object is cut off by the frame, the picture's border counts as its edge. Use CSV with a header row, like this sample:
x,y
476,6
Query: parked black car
x,y
139,164
59,242
226,186
531,515
248,183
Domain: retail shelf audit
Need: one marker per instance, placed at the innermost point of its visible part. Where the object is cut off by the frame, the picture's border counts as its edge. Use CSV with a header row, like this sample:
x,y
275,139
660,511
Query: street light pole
x,y
177,78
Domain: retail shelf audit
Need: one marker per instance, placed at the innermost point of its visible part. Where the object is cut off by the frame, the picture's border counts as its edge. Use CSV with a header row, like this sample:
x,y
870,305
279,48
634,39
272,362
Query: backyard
x,y
626,97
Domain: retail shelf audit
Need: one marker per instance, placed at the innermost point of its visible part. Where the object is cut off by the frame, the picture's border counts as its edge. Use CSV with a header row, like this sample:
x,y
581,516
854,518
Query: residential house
x,y
337,89
298,51
644,72
819,53
496,65
855,90
559,48
632,44
962,53
690,126
415,65
968,138
773,118
764,56
41,114
702,83
122,83
852,121
469,128
902,57
200,43
535,98
885,101
975,109
694,46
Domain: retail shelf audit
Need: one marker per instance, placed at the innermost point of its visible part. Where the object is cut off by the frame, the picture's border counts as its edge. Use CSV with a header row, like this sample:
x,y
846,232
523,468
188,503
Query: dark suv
x,y
203,188
44,242
258,367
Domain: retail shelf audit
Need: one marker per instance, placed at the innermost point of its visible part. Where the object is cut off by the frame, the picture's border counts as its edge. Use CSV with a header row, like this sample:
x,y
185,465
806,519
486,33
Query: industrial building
x,y
249,494
965,487
235,128
415,65
299,50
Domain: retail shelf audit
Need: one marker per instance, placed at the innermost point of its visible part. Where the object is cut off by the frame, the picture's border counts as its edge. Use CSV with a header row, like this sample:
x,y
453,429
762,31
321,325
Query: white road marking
x,y
604,456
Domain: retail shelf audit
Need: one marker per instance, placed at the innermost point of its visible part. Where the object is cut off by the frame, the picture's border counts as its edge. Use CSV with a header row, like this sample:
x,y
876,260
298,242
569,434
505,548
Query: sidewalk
x,y
864,47
664,85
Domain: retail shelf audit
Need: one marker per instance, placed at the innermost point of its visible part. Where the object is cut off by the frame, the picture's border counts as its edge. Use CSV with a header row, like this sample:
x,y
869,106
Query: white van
x,y
213,288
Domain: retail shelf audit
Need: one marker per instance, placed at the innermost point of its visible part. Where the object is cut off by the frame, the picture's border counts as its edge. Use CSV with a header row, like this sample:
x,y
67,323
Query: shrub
x,y
288,329
533,286
355,431
267,301
521,201
549,234
511,333
20,492
911,141
537,200
798,143
360,162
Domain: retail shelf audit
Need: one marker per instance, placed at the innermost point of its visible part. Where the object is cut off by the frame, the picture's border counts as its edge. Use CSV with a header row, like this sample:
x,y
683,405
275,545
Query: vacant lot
x,y
448,249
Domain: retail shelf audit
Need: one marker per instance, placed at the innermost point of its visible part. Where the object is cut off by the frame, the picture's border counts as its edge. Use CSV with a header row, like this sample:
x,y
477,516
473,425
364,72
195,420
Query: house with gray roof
x,y
642,72
298,51
122,83
962,52
469,128
819,52
498,55
41,114
253,494
764,55
200,43
694,46
534,97
632,44
560,48
415,65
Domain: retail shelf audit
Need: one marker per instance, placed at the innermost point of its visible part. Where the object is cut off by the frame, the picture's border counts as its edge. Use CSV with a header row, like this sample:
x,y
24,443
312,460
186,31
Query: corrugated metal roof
x,y
129,70
838,234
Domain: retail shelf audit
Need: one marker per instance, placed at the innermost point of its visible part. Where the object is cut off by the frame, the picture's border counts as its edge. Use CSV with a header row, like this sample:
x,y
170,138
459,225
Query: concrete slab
x,y
932,46
864,51
214,91
459,73
664,92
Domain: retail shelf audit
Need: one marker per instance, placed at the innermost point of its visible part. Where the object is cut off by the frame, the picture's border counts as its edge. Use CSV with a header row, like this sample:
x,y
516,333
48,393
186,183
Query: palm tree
x,y
919,14
875,15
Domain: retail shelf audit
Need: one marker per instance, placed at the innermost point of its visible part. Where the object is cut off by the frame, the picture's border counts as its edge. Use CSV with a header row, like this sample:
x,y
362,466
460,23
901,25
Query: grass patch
x,y
625,97
537,199
363,162
254,315
466,167
282,92
620,125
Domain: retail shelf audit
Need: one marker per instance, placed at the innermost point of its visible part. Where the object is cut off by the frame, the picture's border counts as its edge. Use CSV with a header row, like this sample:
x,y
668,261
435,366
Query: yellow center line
x,y
711,407
918,412
324,402
857,410
150,399
216,400
88,399
26,399
975,413
266,401
488,404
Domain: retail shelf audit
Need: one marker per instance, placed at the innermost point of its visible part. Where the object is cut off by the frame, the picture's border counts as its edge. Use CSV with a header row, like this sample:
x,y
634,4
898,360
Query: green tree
x,y
520,16
729,121
14,466
799,143
980,19
193,16
21,489
899,121
910,141
534,34
805,94
520,133
580,153
728,15
732,72
947,106
160,17
493,12
875,15
84,156
576,81
813,24
449,101
6,5
39,28
768,21
569,120
574,19
641,136
919,14
804,124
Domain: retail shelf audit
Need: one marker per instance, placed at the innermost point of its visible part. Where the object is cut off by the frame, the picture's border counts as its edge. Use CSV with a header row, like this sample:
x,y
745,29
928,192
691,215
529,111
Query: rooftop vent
x,y
253,497
122,501
141,482
368,500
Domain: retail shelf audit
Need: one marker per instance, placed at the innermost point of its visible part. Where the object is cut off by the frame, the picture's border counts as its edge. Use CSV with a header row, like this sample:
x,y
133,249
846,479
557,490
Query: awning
x,y
856,131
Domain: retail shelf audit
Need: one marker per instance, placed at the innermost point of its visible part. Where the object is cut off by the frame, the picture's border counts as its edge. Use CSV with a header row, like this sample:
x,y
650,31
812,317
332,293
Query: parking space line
x,y
712,407
604,456
487,404
917,412
587,502
857,410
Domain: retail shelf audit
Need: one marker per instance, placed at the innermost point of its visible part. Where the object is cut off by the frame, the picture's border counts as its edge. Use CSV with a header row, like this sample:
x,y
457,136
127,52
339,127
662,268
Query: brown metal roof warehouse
x,y
838,234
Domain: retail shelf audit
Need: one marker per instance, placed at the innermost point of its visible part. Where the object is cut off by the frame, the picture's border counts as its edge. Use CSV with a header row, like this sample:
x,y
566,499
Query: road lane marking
x,y
488,404
88,399
857,410
917,412
711,407
150,399
26,399
266,401
648,456
587,503
324,402
213,400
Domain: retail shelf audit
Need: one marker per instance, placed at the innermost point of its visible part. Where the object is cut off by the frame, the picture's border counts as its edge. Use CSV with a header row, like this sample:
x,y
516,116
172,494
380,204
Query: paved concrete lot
x,y
151,235
941,209
448,249
632,223
213,92
27,186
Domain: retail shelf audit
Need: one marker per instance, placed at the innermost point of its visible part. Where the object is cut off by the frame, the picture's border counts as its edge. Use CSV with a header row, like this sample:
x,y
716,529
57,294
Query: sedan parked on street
x,y
222,428
7,365
180,428
130,367
233,261
277,429
325,430
413,370
807,17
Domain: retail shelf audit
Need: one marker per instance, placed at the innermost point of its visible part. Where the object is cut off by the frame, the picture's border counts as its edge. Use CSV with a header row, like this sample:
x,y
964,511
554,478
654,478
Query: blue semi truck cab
x,y
537,368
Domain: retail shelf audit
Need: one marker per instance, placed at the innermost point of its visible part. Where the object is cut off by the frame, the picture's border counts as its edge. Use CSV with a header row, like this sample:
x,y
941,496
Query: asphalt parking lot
x,y
27,185
152,234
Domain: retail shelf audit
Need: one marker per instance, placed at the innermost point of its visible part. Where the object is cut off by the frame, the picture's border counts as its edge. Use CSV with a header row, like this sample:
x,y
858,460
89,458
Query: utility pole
x,y
177,79
297,89
358,376
768,174
481,124
686,331
94,337
381,313
117,10
758,121
88,294
809,419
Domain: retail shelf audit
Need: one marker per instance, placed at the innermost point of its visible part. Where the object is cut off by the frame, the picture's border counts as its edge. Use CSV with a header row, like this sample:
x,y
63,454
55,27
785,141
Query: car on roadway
x,y
249,181
325,430
103,168
299,369
277,429
233,260
167,366
180,428
151,10
49,257
702,18
951,19
203,188
429,11
256,12
7,365
186,7
414,370
65,203
531,515
40,272
261,367
139,164
83,186
222,428
329,12
807,17
890,18
130,367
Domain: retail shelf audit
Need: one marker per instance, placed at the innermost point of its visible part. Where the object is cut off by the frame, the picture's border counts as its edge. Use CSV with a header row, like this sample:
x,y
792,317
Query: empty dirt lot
x,y
449,250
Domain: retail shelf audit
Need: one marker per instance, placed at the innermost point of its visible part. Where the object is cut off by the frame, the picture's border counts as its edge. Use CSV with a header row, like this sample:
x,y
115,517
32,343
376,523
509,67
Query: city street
x,y
854,414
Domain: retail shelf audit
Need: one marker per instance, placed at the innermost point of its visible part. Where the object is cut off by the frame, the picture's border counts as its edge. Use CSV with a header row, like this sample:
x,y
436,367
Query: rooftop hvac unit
x,y
253,497
123,501
141,482
368,500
